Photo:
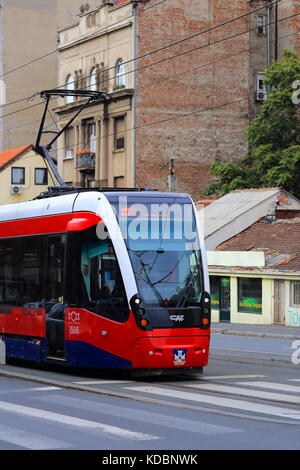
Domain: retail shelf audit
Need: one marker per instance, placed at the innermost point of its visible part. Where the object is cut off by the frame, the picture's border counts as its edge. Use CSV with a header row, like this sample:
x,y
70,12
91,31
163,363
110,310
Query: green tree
x,y
273,136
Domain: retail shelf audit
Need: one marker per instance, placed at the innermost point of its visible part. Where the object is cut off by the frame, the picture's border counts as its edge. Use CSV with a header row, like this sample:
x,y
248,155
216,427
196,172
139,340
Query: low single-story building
x,y
24,174
255,276
253,242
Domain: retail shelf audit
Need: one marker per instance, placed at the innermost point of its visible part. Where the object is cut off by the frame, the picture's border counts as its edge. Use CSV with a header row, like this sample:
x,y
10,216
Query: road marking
x,y
219,401
101,382
147,417
250,351
272,385
42,389
28,440
32,389
294,380
220,377
246,393
73,421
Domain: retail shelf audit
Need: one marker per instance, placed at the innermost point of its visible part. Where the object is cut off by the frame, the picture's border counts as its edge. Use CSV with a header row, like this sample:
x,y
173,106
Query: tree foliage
x,y
274,138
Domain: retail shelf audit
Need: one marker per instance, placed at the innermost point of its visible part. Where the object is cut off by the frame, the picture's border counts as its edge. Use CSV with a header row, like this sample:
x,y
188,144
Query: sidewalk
x,y
263,331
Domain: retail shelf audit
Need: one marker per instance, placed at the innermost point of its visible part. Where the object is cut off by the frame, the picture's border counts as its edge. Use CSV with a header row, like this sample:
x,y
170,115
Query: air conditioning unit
x,y
16,190
261,95
69,154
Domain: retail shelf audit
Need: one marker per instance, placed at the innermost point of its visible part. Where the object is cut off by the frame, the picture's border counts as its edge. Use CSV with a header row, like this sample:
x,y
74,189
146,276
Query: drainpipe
x,y
269,19
276,32
133,102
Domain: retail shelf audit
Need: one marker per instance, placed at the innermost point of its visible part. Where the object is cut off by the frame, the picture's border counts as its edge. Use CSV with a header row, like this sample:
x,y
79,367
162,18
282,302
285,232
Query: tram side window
x,y
102,278
9,272
31,265
55,267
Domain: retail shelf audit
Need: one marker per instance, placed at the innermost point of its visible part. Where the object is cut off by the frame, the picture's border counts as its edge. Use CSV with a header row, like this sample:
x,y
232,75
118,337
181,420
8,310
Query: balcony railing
x,y
86,159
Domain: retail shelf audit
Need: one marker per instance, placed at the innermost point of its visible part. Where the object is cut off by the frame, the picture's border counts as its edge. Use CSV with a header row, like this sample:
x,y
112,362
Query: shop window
x,y
215,292
250,295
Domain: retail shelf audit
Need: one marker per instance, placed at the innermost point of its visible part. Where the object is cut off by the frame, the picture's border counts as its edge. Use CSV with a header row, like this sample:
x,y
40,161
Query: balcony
x,y
85,159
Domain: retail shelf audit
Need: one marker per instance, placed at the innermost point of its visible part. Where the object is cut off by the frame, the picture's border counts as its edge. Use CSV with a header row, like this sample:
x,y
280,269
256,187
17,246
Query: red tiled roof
x,y
118,2
6,156
279,240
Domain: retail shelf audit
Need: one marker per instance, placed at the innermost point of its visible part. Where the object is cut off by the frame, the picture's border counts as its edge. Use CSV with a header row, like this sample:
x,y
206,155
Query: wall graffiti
x,y
293,317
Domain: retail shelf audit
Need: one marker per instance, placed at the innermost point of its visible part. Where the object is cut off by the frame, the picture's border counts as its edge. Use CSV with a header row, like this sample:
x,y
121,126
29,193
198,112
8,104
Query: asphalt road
x,y
241,402
267,348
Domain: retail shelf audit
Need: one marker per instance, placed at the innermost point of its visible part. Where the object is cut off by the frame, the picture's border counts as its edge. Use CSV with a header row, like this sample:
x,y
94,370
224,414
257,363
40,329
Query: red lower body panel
x,y
171,352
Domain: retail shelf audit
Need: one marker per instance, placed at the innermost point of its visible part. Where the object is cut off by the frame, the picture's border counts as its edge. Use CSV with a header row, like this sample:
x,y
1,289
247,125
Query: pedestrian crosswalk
x,y
66,413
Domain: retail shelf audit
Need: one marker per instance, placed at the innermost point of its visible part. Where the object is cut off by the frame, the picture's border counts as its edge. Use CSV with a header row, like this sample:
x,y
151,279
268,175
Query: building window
x,y
120,74
41,176
70,85
119,134
69,142
119,182
93,79
215,291
89,128
295,294
261,24
17,175
250,295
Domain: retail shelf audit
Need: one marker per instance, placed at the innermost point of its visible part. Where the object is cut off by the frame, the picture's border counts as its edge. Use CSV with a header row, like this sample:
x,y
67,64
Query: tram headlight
x,y
140,312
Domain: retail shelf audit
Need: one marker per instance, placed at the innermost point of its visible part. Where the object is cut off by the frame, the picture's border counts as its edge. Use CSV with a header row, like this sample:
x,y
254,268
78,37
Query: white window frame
x,y
93,79
70,86
121,73
293,285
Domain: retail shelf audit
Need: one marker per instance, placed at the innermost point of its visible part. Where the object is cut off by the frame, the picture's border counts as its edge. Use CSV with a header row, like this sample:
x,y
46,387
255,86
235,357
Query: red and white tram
x,y
105,279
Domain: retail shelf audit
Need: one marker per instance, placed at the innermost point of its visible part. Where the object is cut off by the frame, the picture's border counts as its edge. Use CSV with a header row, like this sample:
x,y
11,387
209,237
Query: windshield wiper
x,y
186,291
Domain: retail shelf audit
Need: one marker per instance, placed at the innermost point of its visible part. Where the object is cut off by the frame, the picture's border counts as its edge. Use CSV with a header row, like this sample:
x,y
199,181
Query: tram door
x,y
225,299
54,297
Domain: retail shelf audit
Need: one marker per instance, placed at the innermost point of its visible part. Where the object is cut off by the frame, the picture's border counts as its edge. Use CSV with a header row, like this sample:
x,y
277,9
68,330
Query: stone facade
x,y
89,53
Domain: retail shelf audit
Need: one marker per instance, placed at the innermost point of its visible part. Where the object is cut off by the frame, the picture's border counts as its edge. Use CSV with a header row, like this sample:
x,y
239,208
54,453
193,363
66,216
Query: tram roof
x,y
76,201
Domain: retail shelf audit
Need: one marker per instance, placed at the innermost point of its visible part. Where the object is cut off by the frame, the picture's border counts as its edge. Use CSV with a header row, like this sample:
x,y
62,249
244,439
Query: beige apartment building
x,y
182,93
96,150
27,33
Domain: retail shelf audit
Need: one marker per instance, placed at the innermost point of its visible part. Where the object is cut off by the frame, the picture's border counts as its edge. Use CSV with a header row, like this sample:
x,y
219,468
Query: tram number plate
x,y
74,330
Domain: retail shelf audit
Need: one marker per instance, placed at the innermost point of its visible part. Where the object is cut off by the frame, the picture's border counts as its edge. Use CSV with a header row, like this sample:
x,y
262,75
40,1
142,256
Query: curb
x,y
253,334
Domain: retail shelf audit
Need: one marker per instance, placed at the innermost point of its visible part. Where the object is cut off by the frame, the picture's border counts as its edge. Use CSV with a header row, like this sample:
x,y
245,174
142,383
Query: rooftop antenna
x,y
47,95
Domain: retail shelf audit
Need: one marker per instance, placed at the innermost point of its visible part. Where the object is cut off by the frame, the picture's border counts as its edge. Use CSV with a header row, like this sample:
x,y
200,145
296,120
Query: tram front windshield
x,y
163,246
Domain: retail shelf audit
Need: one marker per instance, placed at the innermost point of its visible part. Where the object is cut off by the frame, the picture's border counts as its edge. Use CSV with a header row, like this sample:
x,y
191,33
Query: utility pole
x,y
172,180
